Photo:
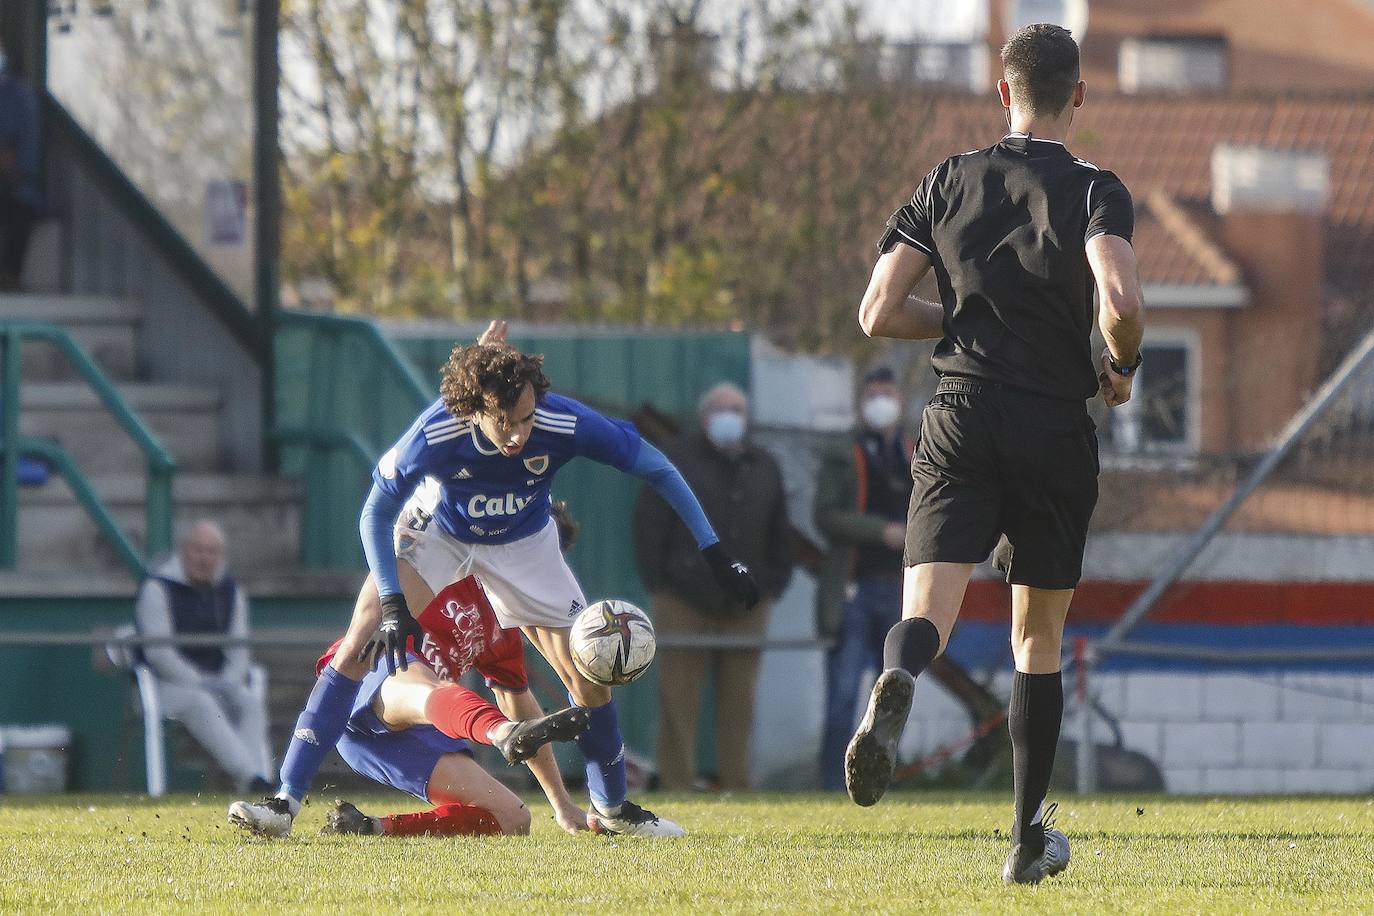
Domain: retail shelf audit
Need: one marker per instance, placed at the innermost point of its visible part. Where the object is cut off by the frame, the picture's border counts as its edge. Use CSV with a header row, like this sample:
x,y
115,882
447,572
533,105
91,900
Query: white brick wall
x,y
1215,733
1240,698
1244,733
1327,780
1184,781
1145,737
1163,697
1341,745
1279,745
1201,744
1241,780
1326,698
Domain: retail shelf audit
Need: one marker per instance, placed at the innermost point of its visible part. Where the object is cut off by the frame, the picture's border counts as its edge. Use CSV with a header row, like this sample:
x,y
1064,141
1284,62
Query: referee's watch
x,y
1126,371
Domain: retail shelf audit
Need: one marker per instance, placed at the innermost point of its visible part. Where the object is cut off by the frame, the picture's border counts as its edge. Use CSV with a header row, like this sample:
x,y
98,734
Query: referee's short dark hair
x,y
1041,63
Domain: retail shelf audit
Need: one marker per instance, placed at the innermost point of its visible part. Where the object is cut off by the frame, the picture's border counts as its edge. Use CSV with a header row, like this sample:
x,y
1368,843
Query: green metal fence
x,y
160,467
344,393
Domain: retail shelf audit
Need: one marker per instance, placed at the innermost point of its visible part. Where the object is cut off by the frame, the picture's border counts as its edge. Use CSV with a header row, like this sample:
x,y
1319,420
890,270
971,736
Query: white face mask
x,y
881,412
725,428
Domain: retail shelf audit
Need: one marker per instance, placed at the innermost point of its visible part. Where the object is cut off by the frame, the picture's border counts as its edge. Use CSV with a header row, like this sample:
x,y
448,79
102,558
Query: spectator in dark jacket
x,y
740,487
861,506
21,195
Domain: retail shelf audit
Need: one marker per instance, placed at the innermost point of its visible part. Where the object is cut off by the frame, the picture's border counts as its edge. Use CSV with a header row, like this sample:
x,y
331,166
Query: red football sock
x,y
445,820
460,713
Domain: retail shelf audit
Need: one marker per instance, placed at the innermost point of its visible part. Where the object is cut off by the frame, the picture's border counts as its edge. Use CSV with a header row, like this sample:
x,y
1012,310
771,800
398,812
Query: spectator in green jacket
x,y
740,487
861,505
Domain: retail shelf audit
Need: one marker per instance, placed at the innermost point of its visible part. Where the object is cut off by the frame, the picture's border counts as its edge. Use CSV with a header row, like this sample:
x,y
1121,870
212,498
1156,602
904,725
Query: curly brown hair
x,y
483,378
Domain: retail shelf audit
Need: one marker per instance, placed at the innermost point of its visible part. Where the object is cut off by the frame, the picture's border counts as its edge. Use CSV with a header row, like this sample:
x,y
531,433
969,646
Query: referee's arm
x,y
1121,313
887,310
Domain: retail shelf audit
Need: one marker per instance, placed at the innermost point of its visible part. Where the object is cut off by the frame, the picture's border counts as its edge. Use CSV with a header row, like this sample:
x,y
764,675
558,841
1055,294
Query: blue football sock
x,y
318,729
604,750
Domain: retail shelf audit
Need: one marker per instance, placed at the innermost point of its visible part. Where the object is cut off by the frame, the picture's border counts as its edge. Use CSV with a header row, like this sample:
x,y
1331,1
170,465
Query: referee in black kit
x,y
1018,234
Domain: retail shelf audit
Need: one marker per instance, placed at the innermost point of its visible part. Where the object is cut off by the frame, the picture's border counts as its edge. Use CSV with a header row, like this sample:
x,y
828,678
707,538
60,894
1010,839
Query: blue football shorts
x,y
403,760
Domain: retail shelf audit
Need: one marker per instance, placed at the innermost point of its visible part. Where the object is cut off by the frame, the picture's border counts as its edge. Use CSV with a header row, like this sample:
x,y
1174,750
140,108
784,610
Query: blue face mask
x,y
725,428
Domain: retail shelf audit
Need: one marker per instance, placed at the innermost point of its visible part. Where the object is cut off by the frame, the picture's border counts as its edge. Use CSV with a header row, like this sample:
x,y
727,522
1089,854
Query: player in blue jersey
x,y
467,490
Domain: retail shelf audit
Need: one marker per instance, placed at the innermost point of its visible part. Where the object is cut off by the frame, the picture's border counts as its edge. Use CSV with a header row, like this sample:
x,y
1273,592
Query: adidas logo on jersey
x,y
481,506
463,474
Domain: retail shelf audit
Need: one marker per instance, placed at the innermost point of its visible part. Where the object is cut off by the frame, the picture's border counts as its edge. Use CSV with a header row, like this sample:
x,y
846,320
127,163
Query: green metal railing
x,y
161,467
344,392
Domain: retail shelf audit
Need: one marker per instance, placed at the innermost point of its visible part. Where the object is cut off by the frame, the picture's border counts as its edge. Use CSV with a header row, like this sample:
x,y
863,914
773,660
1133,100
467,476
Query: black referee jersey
x,y
1005,228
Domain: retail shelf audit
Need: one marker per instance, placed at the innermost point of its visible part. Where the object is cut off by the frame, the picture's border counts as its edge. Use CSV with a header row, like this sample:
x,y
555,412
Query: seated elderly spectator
x,y
206,688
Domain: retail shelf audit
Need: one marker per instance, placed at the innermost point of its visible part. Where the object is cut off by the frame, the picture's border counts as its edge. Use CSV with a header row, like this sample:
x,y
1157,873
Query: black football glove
x,y
389,641
732,575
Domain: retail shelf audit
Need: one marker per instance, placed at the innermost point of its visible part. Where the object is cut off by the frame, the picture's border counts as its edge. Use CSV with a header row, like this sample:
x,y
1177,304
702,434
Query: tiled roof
x,y
1175,243
1273,45
776,173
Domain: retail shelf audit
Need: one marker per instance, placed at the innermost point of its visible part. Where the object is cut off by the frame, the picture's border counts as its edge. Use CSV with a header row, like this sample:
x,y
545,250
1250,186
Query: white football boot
x,y
269,817
632,820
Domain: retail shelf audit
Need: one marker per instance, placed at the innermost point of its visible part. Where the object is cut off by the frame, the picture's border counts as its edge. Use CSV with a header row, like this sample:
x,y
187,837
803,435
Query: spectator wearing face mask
x,y
861,506
740,488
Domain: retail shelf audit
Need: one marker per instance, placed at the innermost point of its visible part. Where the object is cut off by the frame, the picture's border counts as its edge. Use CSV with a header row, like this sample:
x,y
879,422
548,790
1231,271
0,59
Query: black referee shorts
x,y
994,460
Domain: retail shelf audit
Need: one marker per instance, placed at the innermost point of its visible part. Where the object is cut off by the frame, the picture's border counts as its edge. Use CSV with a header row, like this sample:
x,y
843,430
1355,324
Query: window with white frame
x,y
1162,416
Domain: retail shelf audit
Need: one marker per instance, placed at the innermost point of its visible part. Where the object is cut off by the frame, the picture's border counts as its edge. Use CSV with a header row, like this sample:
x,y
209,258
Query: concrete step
x,y
261,517
183,418
105,327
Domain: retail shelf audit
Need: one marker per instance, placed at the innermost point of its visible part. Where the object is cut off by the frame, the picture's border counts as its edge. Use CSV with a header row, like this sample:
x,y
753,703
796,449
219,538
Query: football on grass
x,y
612,642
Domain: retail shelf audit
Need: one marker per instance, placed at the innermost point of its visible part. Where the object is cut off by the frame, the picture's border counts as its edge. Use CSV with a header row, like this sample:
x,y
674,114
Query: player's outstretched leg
x,y
519,741
444,820
326,713
601,744
317,730
461,713
604,750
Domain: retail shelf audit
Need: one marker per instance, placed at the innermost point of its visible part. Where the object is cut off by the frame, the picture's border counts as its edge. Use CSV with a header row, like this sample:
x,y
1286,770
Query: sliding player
x,y
410,731
477,467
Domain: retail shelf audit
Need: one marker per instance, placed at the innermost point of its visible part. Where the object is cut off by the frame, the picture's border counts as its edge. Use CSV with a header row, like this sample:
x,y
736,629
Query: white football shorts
x,y
528,581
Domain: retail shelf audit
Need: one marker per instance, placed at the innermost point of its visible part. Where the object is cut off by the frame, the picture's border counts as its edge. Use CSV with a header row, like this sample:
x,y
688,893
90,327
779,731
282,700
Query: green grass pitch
x,y
914,852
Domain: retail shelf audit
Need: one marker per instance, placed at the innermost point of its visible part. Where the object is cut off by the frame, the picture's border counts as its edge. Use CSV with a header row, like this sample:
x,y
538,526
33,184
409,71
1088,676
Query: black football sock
x,y
1034,715
911,644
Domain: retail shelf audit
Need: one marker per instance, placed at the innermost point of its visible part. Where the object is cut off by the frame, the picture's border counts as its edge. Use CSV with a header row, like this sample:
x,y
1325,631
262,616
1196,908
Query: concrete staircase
x,y
261,515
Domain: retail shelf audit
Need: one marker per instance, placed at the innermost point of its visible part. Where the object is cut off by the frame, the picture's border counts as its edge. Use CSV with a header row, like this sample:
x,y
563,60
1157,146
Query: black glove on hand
x,y
389,641
732,575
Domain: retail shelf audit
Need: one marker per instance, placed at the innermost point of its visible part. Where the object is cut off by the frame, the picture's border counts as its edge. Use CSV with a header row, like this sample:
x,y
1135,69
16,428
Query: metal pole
x,y
157,512
1188,552
1087,757
267,193
11,345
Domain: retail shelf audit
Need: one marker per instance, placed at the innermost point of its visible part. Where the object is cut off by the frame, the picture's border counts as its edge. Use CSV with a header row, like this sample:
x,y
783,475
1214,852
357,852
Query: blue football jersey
x,y
479,495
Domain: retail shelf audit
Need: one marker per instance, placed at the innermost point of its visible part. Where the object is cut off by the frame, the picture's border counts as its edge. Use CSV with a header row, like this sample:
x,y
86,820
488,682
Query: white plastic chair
x,y
154,747
150,699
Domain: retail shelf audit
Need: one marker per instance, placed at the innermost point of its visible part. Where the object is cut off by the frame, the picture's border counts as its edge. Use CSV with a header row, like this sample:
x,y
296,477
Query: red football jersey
x,y
461,632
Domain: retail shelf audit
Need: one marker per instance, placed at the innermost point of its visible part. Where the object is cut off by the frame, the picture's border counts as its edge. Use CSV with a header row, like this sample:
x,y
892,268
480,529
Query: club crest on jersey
x,y
538,464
